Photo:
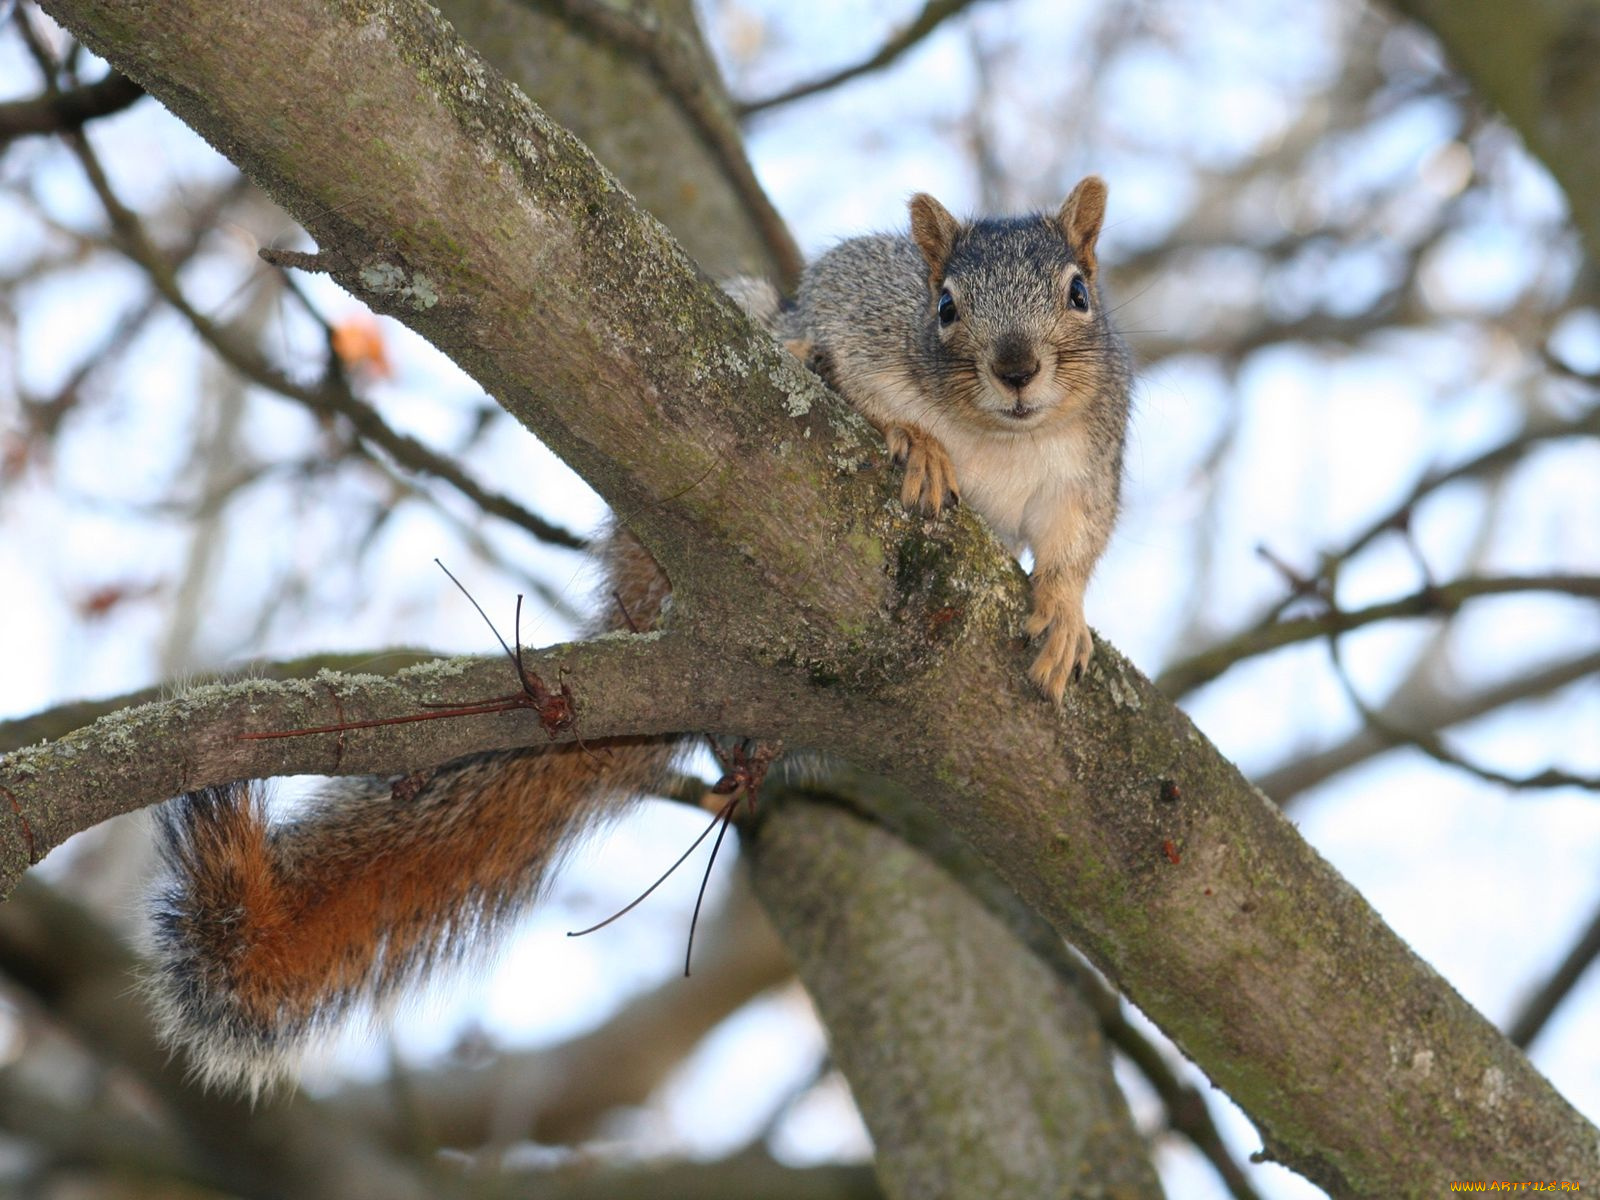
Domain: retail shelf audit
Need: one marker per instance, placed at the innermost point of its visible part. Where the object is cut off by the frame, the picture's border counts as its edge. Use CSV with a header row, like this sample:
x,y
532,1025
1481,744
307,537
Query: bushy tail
x,y
266,936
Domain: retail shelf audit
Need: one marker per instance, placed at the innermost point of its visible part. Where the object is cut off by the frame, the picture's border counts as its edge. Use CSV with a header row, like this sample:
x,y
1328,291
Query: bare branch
x,y
334,395
58,112
1184,676
338,396
622,685
1429,710
934,14
1430,601
1434,747
1496,458
1542,1004
53,723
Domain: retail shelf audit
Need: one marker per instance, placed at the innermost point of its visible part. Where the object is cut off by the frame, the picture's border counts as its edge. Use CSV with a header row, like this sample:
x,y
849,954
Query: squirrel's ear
x,y
1080,217
934,230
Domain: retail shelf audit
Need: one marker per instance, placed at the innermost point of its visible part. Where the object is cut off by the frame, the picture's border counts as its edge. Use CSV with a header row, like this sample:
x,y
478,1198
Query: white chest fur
x,y
1017,482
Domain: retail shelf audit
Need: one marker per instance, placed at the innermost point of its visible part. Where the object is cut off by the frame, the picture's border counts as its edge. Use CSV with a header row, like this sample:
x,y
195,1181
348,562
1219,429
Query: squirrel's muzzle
x,y
1014,360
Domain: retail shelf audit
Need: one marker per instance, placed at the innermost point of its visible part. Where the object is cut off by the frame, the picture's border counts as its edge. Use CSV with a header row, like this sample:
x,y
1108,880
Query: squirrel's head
x,y
1013,308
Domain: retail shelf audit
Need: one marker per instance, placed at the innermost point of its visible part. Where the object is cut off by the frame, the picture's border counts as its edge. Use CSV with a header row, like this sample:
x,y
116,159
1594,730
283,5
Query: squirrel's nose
x,y
1016,372
1013,359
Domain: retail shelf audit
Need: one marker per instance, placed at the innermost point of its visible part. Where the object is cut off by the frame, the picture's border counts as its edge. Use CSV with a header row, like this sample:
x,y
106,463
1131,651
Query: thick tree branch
x,y
139,756
627,113
909,820
685,70
1010,1047
57,722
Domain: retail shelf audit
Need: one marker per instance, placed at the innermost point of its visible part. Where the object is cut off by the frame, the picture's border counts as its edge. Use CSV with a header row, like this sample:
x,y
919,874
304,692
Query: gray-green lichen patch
x,y
23,762
527,150
329,678
438,669
387,279
1123,693
472,85
799,390
1494,1088
627,635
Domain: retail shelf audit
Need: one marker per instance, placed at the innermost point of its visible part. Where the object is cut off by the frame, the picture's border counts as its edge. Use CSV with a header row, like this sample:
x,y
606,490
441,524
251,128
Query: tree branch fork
x,y
806,601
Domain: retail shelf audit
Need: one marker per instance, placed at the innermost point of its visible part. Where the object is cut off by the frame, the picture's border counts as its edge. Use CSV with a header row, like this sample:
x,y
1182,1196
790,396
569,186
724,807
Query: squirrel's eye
x,y
1078,294
947,308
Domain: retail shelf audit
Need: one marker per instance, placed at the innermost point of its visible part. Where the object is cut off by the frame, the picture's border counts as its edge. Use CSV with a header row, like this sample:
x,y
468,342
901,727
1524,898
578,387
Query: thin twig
x,y
934,13
1398,517
1438,600
1289,781
1187,1111
1433,746
1187,674
717,822
1539,1007
334,396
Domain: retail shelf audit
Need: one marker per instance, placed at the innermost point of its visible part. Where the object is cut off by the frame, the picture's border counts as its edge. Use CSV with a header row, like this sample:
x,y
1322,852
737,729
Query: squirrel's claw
x,y
1068,644
930,482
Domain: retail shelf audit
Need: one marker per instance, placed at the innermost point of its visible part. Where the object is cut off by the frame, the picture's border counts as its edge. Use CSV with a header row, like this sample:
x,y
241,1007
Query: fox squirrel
x,y
980,350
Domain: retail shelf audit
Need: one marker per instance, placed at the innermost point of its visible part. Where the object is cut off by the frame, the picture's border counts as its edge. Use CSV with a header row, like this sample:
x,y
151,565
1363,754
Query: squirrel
x,y
982,353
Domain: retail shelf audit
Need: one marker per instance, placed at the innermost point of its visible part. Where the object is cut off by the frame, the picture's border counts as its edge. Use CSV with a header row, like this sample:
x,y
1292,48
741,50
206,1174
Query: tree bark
x,y
439,194
1010,1094
636,124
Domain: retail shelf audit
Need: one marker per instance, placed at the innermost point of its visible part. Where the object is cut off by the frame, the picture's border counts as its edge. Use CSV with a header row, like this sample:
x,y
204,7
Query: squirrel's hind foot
x,y
930,482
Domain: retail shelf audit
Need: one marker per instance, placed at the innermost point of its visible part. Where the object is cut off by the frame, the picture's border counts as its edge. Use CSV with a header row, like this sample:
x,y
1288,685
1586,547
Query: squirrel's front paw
x,y
930,481
1067,643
